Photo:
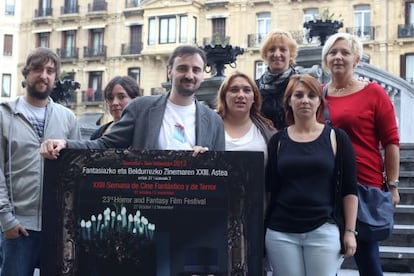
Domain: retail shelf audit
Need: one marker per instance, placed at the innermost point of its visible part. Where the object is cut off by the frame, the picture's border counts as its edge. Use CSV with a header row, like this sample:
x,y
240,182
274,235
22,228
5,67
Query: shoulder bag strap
x,y
326,111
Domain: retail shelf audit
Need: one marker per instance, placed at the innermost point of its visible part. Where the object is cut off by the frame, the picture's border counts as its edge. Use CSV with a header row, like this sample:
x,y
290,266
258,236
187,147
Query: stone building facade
x,y
100,39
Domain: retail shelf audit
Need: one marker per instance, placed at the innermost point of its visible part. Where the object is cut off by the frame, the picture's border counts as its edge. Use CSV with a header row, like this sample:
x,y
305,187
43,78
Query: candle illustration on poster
x,y
95,228
115,239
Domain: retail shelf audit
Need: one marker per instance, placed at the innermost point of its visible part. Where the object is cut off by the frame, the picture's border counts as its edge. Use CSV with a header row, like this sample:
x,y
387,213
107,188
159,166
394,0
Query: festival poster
x,y
153,213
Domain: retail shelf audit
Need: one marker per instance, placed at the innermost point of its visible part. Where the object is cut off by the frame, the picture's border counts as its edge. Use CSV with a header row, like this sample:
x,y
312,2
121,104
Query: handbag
x,y
375,219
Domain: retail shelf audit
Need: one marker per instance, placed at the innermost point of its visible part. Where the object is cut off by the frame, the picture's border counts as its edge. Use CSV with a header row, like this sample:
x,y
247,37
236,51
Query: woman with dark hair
x,y
311,181
118,93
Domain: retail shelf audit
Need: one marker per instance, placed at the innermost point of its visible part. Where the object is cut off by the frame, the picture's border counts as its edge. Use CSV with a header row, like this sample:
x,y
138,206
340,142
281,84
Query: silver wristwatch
x,y
394,183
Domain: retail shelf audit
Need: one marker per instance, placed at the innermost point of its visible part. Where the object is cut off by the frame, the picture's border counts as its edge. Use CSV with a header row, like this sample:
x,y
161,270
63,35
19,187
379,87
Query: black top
x,y
301,178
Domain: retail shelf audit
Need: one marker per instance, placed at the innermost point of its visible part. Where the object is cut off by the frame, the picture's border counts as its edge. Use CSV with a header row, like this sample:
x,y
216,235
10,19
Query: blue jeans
x,y
22,255
367,259
314,253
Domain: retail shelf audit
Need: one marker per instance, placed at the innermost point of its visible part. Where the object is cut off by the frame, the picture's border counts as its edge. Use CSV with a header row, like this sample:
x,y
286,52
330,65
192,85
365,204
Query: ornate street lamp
x,y
220,55
323,27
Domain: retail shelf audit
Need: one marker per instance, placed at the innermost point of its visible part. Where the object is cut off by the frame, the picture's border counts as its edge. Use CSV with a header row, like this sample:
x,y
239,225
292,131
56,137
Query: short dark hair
x,y
39,57
186,50
128,83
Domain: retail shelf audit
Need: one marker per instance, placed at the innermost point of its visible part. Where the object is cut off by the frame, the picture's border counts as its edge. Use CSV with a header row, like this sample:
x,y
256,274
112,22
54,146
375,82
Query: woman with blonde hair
x,y
365,112
279,51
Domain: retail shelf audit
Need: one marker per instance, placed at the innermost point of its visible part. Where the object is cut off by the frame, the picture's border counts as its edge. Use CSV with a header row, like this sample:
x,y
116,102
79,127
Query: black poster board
x,y
153,213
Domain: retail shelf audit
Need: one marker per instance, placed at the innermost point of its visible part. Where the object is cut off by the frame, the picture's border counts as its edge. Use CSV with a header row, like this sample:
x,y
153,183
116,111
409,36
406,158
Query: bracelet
x,y
352,231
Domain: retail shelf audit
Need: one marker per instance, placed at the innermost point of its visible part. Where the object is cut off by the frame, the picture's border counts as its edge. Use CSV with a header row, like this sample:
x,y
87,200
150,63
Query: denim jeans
x,y
314,253
367,259
22,255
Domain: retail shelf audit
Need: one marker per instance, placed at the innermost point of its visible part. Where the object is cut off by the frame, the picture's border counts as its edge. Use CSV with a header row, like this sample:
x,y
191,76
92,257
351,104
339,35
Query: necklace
x,y
342,89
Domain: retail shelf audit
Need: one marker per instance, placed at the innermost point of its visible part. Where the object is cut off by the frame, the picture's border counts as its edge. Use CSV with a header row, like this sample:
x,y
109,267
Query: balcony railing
x,y
405,31
69,9
255,40
132,3
71,52
363,32
216,40
94,52
43,12
92,98
97,6
131,49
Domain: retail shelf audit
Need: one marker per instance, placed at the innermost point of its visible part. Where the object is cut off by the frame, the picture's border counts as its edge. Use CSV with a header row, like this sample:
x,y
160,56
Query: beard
x,y
33,92
186,92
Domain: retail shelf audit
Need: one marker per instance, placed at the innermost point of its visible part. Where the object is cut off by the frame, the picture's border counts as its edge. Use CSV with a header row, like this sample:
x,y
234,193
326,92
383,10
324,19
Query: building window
x,y
219,30
6,85
96,43
43,40
135,73
8,45
183,28
409,13
69,39
309,15
409,68
152,35
94,91
263,26
362,15
71,6
9,8
135,39
194,31
45,8
260,69
168,30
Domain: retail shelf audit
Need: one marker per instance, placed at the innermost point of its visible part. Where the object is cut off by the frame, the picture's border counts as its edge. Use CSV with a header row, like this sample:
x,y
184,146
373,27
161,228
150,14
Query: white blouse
x,y
253,140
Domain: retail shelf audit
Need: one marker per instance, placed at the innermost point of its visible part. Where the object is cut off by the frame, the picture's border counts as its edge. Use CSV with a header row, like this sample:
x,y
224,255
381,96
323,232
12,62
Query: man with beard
x,y
173,121
24,123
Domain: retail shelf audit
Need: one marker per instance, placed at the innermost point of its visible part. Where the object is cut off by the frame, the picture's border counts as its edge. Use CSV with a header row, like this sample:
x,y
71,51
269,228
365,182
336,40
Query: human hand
x,y
199,149
395,195
14,233
50,148
350,244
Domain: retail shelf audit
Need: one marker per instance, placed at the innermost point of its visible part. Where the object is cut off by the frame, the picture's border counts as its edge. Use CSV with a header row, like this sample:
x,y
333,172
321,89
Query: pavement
x,y
342,272
350,272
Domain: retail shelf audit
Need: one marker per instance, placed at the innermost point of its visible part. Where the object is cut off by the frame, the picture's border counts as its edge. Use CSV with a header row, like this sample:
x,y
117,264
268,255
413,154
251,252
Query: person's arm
x,y
349,193
392,168
350,203
7,220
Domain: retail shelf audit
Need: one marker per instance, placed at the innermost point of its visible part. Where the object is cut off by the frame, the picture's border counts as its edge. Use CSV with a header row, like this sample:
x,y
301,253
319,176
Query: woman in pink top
x,y
366,113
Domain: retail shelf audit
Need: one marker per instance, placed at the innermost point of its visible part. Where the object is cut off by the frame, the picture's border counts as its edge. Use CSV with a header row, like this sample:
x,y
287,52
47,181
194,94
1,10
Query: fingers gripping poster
x,y
153,213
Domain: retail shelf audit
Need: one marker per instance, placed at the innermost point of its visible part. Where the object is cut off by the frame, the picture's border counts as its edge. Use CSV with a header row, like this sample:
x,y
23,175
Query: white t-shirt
x,y
36,115
178,127
253,140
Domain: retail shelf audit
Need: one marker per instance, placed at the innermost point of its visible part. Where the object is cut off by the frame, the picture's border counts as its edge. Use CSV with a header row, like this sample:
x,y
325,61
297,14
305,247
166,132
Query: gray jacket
x,y
141,122
21,165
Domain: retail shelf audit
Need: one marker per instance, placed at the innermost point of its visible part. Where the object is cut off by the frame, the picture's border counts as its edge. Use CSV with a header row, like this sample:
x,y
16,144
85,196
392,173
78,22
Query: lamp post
x,y
322,28
220,55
